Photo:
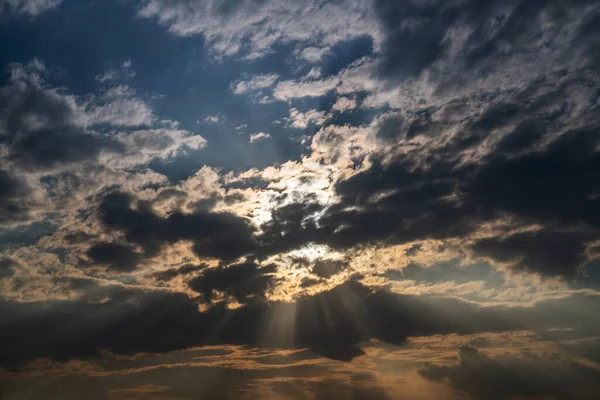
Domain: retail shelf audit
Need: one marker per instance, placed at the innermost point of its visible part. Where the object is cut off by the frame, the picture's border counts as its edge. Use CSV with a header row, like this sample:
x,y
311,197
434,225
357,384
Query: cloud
x,y
328,268
7,267
511,376
122,72
343,104
551,253
46,128
245,282
260,374
117,256
413,36
255,137
60,148
462,41
14,198
213,119
448,148
312,54
438,175
143,145
172,273
252,28
450,272
29,7
332,324
220,235
288,90
119,106
303,119
40,126
255,83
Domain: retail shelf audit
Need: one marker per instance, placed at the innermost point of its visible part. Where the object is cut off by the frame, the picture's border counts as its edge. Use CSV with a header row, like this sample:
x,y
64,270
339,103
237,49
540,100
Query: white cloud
x,y
312,54
255,83
123,72
313,74
119,106
259,136
227,26
147,144
301,120
212,119
288,90
344,104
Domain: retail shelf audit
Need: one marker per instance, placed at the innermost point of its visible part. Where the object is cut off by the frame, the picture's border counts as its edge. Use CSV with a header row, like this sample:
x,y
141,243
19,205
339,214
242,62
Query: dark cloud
x,y
555,183
413,36
511,376
332,389
328,268
391,127
7,267
522,138
528,155
286,380
48,148
450,271
246,282
343,53
40,127
290,228
331,324
497,116
117,256
541,169
172,273
215,234
13,194
308,282
77,237
416,205
419,34
547,252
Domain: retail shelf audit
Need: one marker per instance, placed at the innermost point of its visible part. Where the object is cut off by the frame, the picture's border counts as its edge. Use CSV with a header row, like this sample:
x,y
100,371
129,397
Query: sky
x,y
300,199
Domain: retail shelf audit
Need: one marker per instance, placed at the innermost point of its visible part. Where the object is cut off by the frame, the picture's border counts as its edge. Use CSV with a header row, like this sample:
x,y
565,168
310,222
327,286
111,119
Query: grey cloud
x,y
540,166
40,126
287,380
13,194
49,148
7,267
117,256
413,35
237,27
544,251
219,235
511,376
450,271
458,42
172,273
328,268
28,7
332,324
246,282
